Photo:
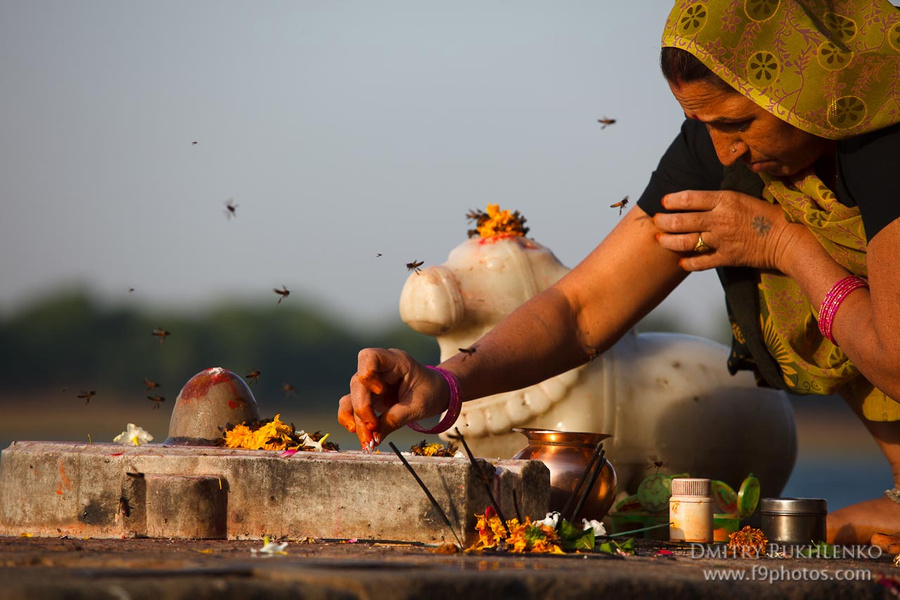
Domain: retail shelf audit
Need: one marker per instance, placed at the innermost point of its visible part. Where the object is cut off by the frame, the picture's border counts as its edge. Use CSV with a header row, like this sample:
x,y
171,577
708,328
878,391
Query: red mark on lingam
x,y
199,384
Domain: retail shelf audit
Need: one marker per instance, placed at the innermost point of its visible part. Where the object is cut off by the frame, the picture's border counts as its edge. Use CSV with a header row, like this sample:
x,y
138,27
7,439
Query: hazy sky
x,y
341,129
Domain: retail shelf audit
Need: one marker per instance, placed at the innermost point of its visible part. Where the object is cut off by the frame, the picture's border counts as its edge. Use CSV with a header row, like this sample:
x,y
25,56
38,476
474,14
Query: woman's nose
x,y
728,148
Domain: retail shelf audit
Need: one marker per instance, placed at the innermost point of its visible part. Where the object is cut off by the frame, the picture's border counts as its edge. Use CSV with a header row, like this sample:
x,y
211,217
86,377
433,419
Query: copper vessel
x,y
566,454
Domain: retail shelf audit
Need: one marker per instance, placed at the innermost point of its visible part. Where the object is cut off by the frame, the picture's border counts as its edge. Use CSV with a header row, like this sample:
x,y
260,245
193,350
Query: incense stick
x,y
585,475
427,492
478,473
601,461
642,529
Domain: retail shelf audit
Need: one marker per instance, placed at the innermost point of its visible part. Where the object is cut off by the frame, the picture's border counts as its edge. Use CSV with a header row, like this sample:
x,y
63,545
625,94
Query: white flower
x,y
270,548
597,526
133,435
307,441
550,520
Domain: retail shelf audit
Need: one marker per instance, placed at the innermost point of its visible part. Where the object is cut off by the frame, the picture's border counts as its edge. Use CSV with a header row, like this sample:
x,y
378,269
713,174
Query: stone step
x,y
50,489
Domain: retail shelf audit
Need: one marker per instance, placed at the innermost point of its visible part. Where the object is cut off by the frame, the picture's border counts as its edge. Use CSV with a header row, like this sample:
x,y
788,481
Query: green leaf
x,y
614,547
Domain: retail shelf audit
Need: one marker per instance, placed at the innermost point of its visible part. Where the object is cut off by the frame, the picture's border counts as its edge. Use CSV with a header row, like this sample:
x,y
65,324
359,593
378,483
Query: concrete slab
x,y
113,491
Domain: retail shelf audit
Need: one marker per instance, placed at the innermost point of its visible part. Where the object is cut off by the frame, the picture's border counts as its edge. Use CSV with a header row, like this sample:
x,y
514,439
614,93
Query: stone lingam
x,y
664,398
192,487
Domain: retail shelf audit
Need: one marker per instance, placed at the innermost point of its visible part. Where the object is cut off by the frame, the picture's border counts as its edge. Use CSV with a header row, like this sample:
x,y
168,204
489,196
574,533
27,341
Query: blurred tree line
x,y
72,341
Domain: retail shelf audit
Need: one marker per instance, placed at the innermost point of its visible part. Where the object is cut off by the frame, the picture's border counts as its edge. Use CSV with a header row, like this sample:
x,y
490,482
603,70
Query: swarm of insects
x,y
86,396
495,222
150,383
414,266
161,333
157,401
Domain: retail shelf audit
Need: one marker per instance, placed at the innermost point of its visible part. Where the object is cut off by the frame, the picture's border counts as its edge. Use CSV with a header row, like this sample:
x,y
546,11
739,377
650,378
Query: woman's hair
x,y
680,66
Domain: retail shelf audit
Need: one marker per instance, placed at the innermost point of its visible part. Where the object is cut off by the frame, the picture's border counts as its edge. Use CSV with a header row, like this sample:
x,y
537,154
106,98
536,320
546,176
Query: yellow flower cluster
x,y
523,537
433,449
274,435
496,222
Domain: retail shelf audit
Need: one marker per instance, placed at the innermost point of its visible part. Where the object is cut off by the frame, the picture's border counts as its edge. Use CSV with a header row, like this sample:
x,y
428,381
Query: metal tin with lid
x,y
793,520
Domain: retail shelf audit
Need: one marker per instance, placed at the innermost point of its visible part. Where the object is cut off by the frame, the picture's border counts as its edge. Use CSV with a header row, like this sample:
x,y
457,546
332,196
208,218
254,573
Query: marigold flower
x,y
497,223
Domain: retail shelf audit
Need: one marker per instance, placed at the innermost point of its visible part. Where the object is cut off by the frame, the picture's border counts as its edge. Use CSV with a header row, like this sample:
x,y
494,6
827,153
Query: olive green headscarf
x,y
832,69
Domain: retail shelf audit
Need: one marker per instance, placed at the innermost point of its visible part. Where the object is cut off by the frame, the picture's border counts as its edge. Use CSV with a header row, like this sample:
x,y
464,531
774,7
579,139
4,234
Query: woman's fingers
x,y
384,395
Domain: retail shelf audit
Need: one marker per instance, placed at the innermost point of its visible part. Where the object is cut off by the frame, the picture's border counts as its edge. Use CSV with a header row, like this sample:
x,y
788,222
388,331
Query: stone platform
x,y
54,489
76,569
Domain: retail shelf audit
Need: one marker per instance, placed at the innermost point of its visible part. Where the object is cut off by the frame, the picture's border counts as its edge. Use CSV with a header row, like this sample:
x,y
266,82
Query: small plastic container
x,y
691,511
793,520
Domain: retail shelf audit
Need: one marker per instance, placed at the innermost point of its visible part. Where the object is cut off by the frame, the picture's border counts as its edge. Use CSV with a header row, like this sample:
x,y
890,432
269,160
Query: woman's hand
x,y
739,230
388,390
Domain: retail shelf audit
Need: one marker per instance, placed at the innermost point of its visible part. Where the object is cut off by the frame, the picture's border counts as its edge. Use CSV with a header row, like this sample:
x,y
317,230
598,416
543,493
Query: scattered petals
x,y
133,435
270,548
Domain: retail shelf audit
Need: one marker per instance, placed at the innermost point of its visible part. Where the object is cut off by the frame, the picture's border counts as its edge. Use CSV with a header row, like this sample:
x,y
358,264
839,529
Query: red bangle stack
x,y
833,300
453,409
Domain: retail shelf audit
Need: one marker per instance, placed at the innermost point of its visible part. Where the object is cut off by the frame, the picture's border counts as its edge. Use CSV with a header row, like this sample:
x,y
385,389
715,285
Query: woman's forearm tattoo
x,y
761,225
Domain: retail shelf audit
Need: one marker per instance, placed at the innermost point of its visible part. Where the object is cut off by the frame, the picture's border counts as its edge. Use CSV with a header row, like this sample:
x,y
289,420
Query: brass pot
x,y
566,454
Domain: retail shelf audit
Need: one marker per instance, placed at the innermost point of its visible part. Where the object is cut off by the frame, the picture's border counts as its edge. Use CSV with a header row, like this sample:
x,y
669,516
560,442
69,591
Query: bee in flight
x,y
605,122
288,389
253,376
157,400
231,208
283,292
86,396
414,266
658,464
150,384
161,333
621,204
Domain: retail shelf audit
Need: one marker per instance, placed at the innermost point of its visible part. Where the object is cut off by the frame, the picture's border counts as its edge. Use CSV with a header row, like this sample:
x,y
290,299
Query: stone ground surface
x,y
162,569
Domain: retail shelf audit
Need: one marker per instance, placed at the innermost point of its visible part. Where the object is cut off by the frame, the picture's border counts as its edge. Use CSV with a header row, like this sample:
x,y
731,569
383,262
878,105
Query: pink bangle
x,y
453,409
833,300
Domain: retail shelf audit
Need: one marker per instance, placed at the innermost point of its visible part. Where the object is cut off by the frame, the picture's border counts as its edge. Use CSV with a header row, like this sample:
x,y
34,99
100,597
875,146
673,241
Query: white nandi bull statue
x,y
664,397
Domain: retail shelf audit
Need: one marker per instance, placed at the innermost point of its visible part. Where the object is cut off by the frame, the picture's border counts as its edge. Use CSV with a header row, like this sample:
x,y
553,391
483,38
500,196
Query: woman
x,y
785,178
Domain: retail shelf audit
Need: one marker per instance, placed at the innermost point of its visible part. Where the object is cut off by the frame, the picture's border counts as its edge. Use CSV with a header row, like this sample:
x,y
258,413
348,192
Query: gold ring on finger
x,y
700,247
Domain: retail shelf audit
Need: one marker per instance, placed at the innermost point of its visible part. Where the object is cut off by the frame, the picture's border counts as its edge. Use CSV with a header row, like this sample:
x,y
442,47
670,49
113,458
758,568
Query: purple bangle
x,y
453,409
833,300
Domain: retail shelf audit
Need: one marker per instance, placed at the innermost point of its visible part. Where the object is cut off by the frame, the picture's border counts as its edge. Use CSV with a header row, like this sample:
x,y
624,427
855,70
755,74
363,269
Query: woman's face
x,y
763,141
